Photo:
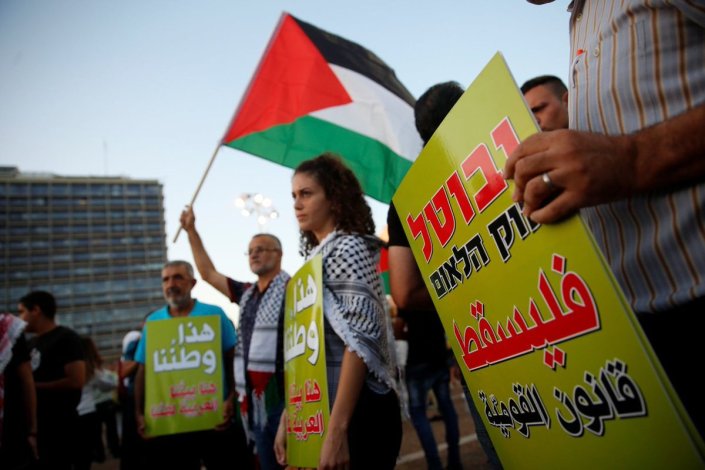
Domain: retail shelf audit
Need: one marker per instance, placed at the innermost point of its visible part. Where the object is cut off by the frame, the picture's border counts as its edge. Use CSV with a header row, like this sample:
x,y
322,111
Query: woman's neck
x,y
323,232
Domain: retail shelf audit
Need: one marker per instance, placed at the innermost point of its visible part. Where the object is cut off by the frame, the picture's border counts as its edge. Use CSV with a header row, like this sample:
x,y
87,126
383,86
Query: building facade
x,y
97,243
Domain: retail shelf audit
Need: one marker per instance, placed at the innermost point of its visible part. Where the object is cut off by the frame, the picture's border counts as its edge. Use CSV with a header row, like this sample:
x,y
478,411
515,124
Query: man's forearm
x,y
74,378
127,368
30,396
204,264
407,285
671,153
61,384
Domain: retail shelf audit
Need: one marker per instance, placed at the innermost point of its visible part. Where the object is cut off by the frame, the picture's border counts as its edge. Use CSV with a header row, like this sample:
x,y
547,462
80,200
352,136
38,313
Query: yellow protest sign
x,y
556,362
307,406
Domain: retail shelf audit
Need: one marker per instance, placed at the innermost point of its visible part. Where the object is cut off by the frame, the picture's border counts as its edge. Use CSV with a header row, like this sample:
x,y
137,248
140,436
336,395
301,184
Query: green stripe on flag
x,y
385,282
379,169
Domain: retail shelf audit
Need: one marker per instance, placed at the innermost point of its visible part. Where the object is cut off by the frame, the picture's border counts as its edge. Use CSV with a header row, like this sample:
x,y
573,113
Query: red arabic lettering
x,y
576,316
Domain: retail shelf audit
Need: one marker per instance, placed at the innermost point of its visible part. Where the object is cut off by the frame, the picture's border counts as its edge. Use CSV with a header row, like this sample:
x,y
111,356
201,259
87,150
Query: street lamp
x,y
258,205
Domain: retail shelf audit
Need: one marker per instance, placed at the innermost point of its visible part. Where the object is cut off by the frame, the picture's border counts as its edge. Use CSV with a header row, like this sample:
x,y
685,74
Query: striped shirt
x,y
634,64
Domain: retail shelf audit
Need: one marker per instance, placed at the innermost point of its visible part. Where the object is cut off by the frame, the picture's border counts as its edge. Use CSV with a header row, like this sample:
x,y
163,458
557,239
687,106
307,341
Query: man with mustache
x,y
213,448
259,356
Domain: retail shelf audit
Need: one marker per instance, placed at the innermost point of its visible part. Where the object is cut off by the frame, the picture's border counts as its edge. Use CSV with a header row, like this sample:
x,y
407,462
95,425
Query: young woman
x,y
364,430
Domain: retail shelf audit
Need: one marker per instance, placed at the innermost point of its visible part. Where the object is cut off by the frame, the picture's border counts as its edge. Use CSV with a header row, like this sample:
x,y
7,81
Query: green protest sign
x,y
555,360
307,406
184,375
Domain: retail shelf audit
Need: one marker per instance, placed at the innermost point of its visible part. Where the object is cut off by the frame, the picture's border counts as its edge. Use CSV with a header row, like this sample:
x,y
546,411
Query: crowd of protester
x,y
59,400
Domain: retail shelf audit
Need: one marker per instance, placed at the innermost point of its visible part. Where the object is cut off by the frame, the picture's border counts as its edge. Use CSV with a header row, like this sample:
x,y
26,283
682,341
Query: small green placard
x,y
184,375
307,406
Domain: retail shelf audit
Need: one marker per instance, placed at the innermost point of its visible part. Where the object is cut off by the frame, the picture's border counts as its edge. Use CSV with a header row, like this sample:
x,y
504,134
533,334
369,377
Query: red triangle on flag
x,y
292,80
384,260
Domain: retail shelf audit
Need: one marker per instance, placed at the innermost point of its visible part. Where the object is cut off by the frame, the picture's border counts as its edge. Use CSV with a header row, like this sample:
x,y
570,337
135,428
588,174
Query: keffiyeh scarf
x,y
260,340
353,301
11,328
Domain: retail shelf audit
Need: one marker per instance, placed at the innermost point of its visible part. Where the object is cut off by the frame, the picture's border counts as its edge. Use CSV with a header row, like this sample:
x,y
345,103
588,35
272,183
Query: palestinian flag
x,y
383,268
316,92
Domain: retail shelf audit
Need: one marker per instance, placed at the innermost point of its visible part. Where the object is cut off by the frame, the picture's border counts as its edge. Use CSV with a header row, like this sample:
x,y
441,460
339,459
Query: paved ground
x,y
411,456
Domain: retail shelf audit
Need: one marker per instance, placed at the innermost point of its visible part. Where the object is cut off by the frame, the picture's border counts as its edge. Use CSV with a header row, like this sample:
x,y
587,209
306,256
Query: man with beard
x,y
259,353
213,448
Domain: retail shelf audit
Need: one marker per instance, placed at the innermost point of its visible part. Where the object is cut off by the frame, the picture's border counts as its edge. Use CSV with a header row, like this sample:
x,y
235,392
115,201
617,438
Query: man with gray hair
x,y
259,354
188,450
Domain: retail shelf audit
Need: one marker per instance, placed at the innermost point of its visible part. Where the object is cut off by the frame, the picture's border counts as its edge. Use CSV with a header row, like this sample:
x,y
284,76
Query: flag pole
x,y
223,140
200,184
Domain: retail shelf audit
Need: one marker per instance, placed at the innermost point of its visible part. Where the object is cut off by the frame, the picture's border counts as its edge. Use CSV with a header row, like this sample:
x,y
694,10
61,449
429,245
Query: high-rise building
x,y
97,243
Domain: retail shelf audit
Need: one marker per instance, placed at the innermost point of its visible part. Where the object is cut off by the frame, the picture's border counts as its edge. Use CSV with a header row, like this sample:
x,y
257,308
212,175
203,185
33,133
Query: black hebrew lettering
x,y
448,275
503,235
438,284
502,232
461,255
477,253
452,274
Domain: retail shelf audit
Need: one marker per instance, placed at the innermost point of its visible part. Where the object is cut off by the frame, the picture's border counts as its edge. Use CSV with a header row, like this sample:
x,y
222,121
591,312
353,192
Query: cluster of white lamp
x,y
258,205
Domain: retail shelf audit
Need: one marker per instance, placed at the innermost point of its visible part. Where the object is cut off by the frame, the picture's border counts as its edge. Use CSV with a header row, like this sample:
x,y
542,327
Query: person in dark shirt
x,y
59,373
427,367
414,302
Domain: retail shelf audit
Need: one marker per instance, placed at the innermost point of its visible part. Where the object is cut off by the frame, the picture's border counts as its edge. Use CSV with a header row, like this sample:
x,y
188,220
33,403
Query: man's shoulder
x,y
64,333
281,279
202,309
159,314
235,282
132,337
61,341
237,289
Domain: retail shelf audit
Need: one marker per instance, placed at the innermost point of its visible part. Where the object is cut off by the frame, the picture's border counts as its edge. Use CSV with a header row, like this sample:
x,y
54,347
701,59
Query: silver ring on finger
x,y
548,181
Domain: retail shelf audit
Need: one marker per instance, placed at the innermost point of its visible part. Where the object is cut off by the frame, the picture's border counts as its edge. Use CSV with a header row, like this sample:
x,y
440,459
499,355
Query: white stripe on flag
x,y
376,113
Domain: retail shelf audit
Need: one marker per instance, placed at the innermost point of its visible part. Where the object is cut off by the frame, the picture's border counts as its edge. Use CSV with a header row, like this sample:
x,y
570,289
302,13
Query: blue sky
x,y
146,88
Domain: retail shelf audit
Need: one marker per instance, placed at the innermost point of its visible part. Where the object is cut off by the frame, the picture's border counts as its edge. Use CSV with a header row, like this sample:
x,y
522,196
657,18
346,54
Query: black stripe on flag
x,y
347,54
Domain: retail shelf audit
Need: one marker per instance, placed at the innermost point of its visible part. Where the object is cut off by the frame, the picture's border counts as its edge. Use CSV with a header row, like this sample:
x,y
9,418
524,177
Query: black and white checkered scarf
x,y
261,353
353,302
260,337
